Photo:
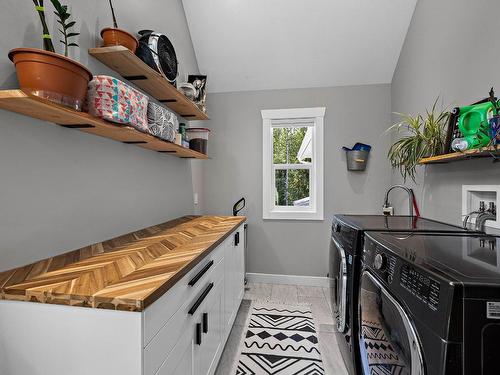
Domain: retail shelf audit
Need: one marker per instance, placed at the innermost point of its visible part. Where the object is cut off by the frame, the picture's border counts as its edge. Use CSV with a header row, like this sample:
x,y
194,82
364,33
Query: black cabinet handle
x,y
198,333
200,300
205,322
237,239
200,274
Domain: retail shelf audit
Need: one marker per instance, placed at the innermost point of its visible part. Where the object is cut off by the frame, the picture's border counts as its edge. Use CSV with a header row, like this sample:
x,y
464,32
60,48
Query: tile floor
x,y
321,309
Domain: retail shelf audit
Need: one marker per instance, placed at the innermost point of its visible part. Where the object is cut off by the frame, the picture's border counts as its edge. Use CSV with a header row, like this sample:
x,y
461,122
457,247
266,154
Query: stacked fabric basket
x,y
113,100
161,122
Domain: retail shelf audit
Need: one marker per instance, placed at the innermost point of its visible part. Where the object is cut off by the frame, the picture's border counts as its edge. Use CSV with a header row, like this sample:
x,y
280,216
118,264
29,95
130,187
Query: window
x,y
293,163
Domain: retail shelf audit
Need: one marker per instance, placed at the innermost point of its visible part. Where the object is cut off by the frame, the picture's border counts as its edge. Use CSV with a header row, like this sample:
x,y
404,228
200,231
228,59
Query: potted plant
x,y
113,36
48,74
420,137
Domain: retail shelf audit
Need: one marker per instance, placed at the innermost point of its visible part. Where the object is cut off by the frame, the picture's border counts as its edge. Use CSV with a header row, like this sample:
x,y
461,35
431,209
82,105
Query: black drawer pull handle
x,y
205,322
198,333
237,239
200,274
200,300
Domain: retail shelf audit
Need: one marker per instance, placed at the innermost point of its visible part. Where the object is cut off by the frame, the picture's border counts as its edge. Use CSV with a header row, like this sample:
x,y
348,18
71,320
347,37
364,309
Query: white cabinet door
x,y
185,365
229,286
181,360
212,337
234,275
195,351
239,274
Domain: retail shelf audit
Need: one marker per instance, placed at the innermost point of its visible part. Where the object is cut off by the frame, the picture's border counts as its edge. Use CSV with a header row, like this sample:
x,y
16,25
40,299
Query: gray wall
x,y
451,50
235,170
62,189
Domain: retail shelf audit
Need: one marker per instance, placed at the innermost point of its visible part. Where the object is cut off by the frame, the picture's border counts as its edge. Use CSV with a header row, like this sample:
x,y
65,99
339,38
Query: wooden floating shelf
x,y
133,69
20,102
457,156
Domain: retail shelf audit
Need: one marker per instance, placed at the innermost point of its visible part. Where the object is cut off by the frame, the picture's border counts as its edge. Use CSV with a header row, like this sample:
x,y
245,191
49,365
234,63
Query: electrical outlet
x,y
388,211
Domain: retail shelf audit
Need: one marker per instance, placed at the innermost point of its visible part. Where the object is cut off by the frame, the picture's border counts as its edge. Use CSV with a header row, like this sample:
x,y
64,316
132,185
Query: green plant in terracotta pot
x,y
50,75
421,137
113,36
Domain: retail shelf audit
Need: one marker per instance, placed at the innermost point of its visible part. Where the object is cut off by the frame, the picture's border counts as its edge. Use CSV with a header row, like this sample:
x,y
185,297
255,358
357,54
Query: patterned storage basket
x,y
113,100
161,122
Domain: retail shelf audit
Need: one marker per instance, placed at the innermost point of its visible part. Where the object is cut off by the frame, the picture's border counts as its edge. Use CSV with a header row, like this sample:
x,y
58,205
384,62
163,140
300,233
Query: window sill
x,y
293,215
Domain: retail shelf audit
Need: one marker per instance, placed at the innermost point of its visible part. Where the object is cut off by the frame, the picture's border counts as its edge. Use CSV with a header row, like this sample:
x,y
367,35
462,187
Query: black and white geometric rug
x,y
281,340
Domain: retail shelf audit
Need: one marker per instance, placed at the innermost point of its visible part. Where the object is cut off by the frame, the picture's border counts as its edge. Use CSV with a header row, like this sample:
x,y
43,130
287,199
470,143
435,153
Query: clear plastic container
x,y
460,144
198,139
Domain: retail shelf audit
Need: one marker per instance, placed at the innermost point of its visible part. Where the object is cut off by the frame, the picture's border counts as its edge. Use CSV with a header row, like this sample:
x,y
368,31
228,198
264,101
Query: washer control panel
x,y
422,287
380,260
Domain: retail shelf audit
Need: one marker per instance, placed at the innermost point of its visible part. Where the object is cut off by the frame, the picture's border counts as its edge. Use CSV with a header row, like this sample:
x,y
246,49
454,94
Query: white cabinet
x,y
181,359
234,276
181,327
182,333
212,335
197,350
229,286
240,264
198,339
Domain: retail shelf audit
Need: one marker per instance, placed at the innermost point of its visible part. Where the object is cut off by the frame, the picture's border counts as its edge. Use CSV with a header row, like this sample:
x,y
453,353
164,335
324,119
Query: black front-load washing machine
x,y
345,250
429,304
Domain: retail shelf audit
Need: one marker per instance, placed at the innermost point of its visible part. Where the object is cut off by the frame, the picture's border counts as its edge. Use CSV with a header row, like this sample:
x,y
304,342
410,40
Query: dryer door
x,y
338,274
388,342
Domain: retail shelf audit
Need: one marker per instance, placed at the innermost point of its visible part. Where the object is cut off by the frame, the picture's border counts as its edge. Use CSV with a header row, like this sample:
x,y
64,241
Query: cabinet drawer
x,y
190,356
162,344
159,313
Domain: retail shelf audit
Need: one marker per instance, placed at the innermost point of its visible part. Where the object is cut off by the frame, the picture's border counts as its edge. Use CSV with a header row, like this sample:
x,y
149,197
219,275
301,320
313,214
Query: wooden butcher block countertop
x,y
129,272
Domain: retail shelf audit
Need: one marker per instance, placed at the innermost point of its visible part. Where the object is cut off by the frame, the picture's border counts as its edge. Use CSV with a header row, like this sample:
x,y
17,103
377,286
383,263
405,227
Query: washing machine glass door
x,y
388,342
338,274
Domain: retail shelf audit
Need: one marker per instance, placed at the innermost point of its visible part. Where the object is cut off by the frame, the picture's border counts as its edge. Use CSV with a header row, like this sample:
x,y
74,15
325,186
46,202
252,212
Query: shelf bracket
x,y
168,152
77,126
136,78
134,142
495,157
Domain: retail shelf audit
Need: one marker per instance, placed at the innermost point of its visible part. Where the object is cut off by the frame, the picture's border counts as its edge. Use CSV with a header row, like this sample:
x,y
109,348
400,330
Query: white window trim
x,y
316,210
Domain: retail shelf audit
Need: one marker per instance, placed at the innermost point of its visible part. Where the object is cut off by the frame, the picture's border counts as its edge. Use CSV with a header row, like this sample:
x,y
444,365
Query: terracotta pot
x,y
119,37
52,76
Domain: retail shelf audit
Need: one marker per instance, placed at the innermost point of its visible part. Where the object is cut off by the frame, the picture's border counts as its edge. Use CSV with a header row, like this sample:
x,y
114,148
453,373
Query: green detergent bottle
x,y
474,125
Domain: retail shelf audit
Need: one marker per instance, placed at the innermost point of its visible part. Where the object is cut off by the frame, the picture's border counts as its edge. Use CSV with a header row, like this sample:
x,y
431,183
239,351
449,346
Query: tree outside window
x,y
292,176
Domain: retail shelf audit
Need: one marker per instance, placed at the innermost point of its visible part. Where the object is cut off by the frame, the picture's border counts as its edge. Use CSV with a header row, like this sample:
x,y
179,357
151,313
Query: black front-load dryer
x,y
429,304
345,250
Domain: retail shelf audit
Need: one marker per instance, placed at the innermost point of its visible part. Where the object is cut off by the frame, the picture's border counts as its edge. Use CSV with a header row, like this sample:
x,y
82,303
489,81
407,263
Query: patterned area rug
x,y
280,339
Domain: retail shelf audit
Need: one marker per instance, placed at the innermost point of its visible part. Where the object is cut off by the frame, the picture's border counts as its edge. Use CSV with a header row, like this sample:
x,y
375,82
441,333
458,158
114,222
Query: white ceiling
x,y
275,44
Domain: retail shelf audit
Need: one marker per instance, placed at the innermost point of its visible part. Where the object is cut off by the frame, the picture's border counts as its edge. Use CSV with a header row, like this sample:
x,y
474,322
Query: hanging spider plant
x,y
421,136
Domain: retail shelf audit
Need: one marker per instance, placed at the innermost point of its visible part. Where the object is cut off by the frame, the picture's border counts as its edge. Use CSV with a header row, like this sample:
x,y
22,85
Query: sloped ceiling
x,y
275,44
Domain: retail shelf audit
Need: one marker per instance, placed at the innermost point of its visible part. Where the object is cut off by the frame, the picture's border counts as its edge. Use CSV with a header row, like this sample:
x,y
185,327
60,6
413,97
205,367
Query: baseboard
x,y
287,279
